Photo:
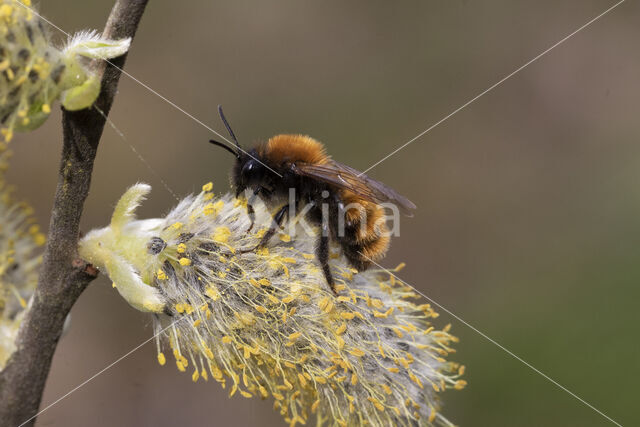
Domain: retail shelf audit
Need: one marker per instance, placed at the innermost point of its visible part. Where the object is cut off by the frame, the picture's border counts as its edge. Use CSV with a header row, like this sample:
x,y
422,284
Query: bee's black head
x,y
248,172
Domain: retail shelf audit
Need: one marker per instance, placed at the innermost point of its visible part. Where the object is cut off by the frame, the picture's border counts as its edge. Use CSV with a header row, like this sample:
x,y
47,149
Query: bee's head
x,y
248,172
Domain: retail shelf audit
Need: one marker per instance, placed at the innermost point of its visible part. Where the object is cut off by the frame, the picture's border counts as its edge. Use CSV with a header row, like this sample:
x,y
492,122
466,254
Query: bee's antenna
x,y
226,123
225,146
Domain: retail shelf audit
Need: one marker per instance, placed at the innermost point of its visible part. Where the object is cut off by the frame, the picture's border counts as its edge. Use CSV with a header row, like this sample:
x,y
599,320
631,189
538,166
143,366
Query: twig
x,y
63,276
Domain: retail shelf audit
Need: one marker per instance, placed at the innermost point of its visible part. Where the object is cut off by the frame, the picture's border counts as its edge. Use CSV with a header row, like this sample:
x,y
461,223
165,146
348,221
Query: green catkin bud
x,y
33,73
20,238
264,323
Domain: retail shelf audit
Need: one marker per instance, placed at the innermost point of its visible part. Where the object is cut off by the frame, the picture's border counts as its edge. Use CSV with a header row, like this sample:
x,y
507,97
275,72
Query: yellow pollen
x,y
399,267
273,299
302,379
221,234
376,403
263,391
323,303
294,336
212,293
460,384
347,315
357,352
209,209
285,237
328,308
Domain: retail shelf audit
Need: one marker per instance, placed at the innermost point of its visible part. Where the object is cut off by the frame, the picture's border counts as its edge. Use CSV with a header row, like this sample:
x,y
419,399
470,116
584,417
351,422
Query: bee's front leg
x,y
278,218
250,211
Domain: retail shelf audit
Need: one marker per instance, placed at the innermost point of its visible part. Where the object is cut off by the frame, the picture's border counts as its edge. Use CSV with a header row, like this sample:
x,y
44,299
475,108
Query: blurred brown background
x,y
529,206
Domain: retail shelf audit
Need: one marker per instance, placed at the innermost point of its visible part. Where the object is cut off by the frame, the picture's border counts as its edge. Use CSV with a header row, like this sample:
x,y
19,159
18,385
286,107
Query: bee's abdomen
x,y
360,256
366,237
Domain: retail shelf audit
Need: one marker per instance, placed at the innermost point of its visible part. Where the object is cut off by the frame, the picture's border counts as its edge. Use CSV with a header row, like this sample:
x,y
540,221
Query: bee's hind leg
x,y
322,253
275,224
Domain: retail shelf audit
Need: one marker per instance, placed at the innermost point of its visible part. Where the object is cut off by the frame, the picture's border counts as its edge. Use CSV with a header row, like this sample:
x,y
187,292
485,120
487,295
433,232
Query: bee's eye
x,y
251,170
248,168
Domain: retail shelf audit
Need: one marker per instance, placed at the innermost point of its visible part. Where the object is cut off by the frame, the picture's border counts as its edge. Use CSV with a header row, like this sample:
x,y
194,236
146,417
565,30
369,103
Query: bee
x,y
343,202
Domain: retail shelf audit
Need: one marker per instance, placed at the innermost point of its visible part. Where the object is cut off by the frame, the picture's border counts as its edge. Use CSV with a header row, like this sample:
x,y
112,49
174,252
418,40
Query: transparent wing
x,y
343,176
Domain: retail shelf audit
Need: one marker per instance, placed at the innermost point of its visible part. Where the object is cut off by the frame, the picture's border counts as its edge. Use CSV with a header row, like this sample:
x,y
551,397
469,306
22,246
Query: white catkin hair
x,y
265,323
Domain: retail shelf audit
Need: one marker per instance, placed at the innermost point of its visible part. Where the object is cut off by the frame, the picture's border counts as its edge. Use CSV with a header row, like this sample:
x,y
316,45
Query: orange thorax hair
x,y
293,148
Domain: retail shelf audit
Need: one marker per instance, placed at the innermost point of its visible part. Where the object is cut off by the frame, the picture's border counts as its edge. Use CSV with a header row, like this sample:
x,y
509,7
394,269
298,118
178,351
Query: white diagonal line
x,y
101,371
173,104
497,344
493,86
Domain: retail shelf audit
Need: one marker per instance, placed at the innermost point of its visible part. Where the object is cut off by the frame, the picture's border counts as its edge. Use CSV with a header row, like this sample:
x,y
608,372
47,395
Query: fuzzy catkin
x,y
264,323
34,73
20,238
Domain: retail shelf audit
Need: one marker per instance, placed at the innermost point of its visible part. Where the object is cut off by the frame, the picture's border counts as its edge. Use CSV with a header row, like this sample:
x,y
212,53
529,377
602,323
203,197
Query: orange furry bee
x,y
345,203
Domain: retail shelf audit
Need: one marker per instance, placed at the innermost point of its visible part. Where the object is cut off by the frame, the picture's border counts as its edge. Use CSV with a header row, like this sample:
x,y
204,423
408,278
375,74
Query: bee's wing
x,y
343,176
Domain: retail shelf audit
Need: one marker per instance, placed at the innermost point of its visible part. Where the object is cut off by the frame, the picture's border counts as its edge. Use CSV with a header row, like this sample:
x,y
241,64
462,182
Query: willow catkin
x,y
264,323
20,238
34,73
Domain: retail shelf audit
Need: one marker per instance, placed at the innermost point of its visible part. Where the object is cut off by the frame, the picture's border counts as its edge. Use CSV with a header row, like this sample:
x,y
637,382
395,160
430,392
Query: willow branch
x,y
63,276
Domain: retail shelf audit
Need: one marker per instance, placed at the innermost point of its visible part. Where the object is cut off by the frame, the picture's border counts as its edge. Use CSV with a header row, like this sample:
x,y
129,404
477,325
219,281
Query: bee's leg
x,y
322,253
275,224
252,215
250,211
